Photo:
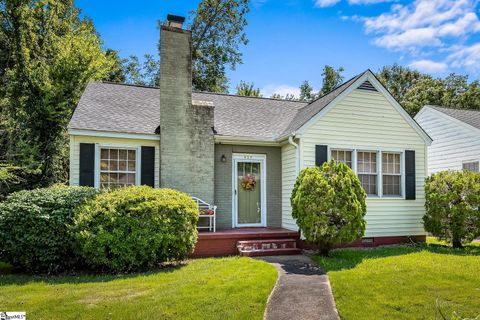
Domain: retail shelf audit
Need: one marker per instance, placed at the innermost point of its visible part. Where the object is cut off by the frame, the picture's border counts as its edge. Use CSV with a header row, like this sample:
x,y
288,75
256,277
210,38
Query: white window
x,y
117,167
367,171
391,174
471,166
344,156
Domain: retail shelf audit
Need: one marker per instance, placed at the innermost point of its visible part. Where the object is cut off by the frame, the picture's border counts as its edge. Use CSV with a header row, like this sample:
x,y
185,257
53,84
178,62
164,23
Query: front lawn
x,y
405,282
226,288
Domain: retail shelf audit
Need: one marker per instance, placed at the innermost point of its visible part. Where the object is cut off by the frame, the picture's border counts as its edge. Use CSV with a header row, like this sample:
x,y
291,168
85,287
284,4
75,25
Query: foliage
x,y
117,73
306,92
34,233
51,55
136,227
177,292
328,204
382,281
398,79
13,178
247,89
452,203
217,32
332,78
288,96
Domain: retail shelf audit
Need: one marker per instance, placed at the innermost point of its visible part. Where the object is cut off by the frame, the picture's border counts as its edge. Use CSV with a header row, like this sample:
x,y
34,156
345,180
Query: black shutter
x,y
148,166
87,164
410,193
321,155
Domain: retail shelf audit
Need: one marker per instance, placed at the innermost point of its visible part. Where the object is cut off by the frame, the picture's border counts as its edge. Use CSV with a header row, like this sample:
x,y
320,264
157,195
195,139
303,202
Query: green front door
x,y
249,187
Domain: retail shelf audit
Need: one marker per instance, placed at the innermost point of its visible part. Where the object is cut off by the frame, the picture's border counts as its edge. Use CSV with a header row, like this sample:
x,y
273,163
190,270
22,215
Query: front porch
x,y
224,242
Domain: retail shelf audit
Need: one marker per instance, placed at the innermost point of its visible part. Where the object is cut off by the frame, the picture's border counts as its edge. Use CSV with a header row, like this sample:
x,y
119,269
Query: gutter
x,y
297,153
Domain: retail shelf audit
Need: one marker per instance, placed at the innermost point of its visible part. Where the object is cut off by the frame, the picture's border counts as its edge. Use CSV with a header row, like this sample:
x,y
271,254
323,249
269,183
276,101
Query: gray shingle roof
x,y
471,117
135,109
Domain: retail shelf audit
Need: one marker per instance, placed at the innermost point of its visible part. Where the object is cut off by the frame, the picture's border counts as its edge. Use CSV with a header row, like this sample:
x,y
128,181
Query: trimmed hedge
x,y
328,203
452,202
136,227
34,233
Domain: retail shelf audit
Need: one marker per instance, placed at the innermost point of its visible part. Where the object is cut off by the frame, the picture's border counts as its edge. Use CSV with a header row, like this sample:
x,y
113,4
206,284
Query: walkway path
x,y
302,291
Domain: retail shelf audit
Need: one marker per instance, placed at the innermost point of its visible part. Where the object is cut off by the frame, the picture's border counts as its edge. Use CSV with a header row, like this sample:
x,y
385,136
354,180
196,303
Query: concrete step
x,y
253,248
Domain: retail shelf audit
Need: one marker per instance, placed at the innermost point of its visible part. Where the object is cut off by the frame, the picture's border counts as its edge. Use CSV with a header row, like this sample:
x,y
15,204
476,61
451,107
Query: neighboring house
x,y
209,144
456,138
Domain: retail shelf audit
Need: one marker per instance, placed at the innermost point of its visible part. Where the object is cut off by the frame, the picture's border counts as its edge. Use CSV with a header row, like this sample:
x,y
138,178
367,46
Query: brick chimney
x,y
186,135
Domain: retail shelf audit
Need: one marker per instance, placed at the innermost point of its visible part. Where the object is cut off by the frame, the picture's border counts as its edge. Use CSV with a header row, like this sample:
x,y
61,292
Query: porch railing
x,y
207,211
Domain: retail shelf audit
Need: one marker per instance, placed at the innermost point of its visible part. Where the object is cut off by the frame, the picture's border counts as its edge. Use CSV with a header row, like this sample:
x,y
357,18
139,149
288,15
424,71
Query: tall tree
x,y
217,33
117,73
52,54
248,90
306,92
398,79
332,78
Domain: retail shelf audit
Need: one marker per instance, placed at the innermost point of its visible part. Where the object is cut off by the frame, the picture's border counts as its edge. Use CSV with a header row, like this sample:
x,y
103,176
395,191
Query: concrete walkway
x,y
302,291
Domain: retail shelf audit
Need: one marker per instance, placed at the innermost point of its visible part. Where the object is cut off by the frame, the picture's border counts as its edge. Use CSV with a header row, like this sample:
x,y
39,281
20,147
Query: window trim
x,y
379,173
138,162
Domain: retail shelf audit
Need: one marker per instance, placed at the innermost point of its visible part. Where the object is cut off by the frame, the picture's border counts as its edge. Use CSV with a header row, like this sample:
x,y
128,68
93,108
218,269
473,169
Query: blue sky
x,y
291,40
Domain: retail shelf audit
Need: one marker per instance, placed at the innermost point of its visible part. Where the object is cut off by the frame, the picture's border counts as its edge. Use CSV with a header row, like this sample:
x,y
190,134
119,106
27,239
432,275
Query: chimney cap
x,y
174,18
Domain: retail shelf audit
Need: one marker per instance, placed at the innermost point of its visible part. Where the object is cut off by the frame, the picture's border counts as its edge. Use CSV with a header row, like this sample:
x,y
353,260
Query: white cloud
x,y
465,57
325,3
282,89
423,23
429,66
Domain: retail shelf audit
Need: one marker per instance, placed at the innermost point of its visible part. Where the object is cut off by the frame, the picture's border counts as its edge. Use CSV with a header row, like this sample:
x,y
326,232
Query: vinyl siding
x,y
453,142
111,142
289,175
366,120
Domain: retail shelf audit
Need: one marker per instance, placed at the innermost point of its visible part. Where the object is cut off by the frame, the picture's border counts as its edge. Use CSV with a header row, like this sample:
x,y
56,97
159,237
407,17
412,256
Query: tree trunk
x,y
456,241
324,251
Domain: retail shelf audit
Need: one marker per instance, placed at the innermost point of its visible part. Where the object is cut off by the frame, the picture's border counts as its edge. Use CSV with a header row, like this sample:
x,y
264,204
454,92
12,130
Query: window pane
x,y
344,156
114,165
367,162
131,154
391,185
104,165
122,165
391,163
114,154
131,165
122,154
369,183
131,178
471,166
104,154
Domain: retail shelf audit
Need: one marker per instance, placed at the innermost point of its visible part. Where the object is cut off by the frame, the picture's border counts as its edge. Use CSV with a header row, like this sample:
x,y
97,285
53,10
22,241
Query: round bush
x,y
136,227
34,228
452,202
328,204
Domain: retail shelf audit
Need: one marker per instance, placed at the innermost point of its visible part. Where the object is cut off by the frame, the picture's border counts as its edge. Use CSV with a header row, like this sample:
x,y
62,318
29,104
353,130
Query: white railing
x,y
207,211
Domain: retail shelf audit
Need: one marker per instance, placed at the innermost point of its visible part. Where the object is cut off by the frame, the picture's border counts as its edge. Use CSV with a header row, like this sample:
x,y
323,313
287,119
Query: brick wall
x,y
187,147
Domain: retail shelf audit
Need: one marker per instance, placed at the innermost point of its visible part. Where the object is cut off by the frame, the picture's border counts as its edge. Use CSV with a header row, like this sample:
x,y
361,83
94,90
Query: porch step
x,y
273,247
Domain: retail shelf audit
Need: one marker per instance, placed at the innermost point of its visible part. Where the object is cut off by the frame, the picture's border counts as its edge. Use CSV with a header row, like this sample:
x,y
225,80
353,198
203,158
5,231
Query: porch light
x,y
223,158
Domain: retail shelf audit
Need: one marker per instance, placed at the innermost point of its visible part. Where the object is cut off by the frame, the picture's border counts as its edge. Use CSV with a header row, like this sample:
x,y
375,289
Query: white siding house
x,y
456,138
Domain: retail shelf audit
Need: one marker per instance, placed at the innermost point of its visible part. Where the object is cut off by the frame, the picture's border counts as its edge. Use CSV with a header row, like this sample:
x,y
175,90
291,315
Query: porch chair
x,y
207,211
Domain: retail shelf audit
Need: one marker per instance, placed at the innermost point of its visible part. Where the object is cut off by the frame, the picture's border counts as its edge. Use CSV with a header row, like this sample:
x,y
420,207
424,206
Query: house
x,y
456,138
244,153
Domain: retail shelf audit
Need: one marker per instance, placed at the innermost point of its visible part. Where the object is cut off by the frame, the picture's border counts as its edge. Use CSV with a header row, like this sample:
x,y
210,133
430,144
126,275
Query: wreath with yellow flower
x,y
248,182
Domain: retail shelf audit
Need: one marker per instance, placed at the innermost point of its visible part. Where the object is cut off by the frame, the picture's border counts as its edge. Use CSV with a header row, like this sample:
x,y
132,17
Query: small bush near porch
x,y
405,282
227,288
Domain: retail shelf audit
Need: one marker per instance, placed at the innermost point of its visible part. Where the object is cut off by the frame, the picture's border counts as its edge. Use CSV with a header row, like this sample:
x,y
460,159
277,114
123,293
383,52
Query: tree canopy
x,y
247,89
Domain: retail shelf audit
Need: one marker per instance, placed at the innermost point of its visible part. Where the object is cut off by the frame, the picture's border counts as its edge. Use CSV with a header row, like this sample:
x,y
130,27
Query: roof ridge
x,y
451,108
195,91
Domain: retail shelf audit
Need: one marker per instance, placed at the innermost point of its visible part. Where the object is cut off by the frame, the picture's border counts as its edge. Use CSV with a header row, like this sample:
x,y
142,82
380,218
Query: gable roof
x,y
123,108
136,109
468,116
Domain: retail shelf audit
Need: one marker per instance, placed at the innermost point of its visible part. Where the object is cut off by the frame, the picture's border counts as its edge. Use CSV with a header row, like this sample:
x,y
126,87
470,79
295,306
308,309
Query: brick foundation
x,y
369,242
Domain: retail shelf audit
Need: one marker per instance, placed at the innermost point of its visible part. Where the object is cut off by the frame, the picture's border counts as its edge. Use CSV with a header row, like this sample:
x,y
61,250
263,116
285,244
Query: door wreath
x,y
248,182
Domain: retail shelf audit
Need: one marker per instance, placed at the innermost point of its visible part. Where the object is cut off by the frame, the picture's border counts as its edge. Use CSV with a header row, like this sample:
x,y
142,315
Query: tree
x,y
51,55
288,96
247,89
328,203
424,91
117,73
331,79
217,32
398,80
306,92
452,202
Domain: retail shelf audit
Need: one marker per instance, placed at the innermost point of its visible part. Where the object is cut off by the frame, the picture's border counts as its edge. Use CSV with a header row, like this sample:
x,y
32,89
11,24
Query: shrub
x,y
328,204
13,178
452,202
34,233
136,227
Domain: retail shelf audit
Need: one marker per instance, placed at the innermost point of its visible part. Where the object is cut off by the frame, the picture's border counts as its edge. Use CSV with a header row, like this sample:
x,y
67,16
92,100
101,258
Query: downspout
x,y
297,154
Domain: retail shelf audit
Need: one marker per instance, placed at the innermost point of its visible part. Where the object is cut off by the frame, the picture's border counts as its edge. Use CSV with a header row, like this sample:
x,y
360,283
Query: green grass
x,y
405,282
226,288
